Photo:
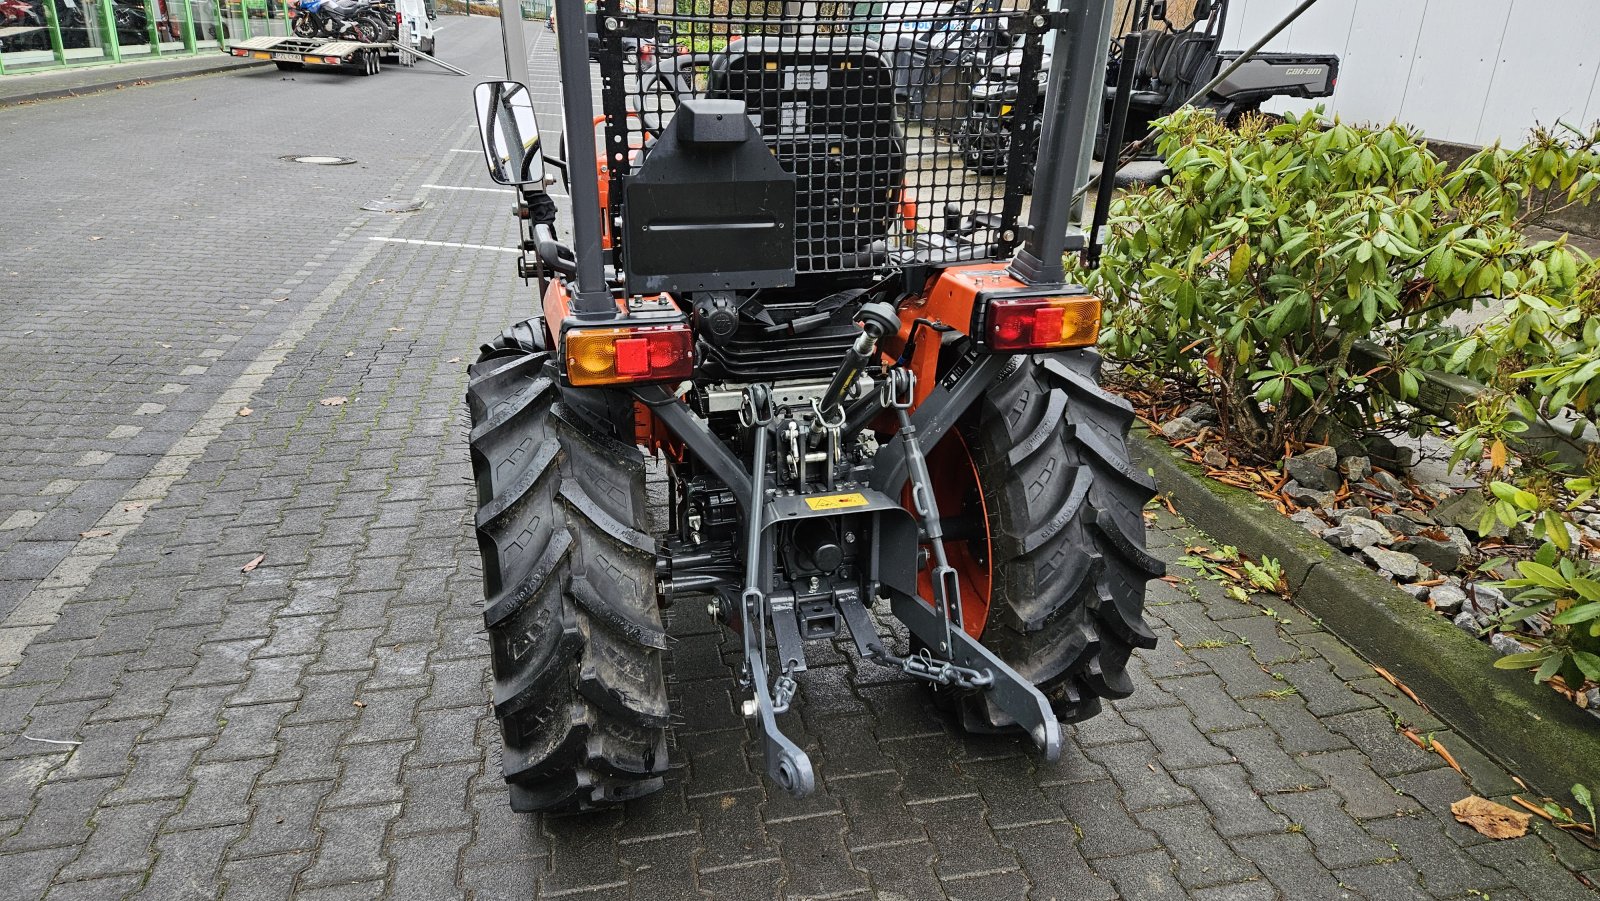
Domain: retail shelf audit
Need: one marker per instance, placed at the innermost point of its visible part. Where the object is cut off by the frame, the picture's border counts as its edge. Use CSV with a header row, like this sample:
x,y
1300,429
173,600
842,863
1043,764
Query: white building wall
x,y
1470,71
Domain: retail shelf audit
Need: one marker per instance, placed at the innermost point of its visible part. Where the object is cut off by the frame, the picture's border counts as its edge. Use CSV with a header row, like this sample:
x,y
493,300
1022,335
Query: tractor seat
x,y
825,108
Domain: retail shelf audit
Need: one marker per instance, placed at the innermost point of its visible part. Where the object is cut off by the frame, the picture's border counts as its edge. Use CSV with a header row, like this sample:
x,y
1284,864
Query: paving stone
x,y
1265,638
1146,875
1233,803
1054,866
262,878
1267,767
1102,822
1208,701
874,811
815,859
1145,783
1011,793
1387,751
187,864
96,889
60,815
281,818
424,866
1298,731
660,868
123,841
29,873
987,886
1290,864
758,879
219,796
1203,857
1446,869
1325,694
1338,840
731,830
965,845
350,847
1178,743
1365,794
370,774
1528,864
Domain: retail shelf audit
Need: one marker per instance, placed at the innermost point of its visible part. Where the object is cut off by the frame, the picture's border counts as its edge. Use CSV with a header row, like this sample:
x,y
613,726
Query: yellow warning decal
x,y
836,501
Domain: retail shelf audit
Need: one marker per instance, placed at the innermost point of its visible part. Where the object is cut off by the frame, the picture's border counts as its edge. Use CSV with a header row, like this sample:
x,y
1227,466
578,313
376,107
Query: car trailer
x,y
298,52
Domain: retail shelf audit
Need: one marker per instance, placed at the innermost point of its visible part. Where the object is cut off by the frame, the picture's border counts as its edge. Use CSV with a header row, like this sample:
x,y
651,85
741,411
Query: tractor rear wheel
x,y
575,637
1063,558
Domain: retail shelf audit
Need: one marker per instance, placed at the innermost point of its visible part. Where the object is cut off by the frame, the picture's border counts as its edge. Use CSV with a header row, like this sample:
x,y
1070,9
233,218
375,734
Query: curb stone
x,y
125,78
1524,727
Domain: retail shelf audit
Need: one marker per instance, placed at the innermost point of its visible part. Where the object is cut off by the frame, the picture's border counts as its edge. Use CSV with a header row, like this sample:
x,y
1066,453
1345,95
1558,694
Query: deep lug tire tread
x,y
574,634
1066,509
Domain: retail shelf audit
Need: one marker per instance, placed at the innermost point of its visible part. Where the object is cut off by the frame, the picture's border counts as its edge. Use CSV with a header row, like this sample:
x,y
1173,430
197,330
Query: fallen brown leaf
x,y
129,508
1488,818
1442,751
335,401
245,411
249,567
96,533
359,703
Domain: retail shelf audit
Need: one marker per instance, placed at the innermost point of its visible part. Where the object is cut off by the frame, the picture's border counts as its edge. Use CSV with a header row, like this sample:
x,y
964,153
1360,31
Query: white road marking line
x,y
444,244
464,150
41,607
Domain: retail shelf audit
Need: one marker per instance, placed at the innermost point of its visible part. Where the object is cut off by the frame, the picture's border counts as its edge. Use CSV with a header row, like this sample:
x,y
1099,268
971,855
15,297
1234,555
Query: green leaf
x,y
1588,663
1543,575
1579,614
1523,660
1549,668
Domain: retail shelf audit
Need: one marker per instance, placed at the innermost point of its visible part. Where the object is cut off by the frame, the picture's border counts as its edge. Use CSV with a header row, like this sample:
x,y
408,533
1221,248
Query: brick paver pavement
x,y
173,727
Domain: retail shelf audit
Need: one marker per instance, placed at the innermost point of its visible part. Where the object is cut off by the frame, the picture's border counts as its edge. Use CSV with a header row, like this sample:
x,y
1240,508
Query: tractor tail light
x,y
608,356
1042,323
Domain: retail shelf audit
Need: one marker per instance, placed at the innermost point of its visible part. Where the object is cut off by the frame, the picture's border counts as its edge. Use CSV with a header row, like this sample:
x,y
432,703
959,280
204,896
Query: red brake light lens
x,y
1043,323
607,356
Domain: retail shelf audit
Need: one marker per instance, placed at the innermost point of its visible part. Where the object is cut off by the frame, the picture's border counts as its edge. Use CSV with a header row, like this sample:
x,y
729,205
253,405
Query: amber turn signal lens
x,y
609,356
1042,323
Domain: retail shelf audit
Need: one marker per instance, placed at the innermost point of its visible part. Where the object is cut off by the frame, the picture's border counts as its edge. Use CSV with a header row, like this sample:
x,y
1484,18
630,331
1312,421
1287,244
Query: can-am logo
x,y
1304,70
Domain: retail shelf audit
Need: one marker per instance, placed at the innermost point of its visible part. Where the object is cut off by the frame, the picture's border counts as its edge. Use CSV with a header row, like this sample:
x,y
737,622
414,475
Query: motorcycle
x,y
365,21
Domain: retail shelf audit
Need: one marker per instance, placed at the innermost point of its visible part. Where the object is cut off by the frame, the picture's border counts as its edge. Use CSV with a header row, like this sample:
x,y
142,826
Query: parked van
x,y
415,25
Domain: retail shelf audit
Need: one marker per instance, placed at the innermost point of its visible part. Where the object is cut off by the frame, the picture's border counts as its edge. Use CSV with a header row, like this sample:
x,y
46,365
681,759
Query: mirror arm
x,y
558,165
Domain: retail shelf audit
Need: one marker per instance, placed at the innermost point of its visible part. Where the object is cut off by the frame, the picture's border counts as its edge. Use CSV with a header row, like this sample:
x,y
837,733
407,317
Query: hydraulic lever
x,y
877,319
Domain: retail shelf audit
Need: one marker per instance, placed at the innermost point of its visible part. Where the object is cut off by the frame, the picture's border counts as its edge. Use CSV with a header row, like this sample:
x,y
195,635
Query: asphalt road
x,y
240,641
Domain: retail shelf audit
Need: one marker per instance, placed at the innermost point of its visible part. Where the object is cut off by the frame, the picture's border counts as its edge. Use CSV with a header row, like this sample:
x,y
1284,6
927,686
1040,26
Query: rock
x,y
1436,490
1417,516
1593,697
1307,497
1315,468
1355,534
1459,538
1311,522
1461,510
1399,525
1425,573
1215,458
1447,599
1344,513
1505,645
1467,623
1180,428
1204,413
1441,555
1356,469
1387,454
1399,565
1420,592
1391,486
1592,520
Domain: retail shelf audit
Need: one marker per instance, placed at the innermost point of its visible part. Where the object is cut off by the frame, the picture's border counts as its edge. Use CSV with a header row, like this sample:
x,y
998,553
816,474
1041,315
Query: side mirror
x,y
510,133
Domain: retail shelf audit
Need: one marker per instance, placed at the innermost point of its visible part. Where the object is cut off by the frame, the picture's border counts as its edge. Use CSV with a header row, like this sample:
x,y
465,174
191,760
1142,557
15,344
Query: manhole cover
x,y
392,206
319,160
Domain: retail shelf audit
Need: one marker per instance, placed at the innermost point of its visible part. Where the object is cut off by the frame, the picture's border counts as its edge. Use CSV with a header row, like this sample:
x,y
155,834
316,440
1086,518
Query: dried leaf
x,y
335,401
358,703
1488,818
96,533
249,567
1449,758
129,508
245,411
1497,454
397,328
453,360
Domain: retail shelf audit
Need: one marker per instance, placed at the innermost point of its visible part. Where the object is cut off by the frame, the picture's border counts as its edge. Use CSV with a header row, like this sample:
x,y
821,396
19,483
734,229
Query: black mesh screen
x,y
900,120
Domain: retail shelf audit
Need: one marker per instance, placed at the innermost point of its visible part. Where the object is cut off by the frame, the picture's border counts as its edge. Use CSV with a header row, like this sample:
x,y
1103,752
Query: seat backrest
x,y
825,107
1185,57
